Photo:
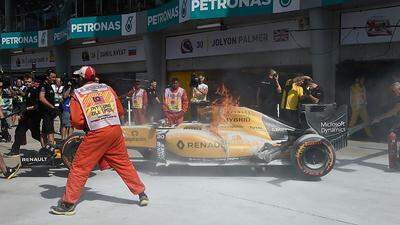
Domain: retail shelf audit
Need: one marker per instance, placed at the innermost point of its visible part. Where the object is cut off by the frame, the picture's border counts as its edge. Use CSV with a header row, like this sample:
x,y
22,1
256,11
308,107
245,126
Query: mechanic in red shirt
x,y
176,103
96,108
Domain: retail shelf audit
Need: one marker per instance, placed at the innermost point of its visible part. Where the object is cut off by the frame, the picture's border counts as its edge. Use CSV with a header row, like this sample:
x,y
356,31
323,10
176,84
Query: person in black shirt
x,y
47,107
268,94
154,103
30,119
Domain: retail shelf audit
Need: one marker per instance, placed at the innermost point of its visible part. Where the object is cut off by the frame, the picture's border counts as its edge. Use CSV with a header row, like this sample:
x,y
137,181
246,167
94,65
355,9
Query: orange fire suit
x,y
175,108
105,146
139,105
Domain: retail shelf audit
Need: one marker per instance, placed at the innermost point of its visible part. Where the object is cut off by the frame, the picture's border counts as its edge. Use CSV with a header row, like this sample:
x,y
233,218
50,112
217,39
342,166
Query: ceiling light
x,y
88,42
209,26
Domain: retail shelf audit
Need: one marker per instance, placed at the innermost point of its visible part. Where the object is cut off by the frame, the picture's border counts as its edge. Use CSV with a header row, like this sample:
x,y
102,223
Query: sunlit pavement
x,y
359,191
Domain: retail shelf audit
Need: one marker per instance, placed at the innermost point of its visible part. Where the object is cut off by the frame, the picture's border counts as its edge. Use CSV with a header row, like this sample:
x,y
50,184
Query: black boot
x,y
143,199
63,208
12,153
14,150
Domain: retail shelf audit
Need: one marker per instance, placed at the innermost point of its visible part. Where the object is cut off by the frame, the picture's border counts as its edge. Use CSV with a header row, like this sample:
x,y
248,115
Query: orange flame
x,y
222,107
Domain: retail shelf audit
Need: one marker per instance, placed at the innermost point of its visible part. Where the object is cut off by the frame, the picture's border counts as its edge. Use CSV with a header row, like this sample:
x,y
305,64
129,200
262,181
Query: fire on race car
x,y
228,136
242,136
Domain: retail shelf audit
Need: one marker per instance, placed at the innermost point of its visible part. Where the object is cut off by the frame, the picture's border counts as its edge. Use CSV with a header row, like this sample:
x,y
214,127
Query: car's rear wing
x,y
328,120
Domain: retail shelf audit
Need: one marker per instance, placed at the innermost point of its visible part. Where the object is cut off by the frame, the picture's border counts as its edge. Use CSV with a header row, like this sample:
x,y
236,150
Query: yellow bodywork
x,y
239,132
140,136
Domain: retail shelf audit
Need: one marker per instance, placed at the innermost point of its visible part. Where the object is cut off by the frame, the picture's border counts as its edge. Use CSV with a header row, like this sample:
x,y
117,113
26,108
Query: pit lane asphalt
x,y
360,190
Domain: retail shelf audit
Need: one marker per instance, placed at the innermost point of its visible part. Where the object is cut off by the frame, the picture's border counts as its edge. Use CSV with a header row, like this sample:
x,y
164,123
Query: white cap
x,y
87,72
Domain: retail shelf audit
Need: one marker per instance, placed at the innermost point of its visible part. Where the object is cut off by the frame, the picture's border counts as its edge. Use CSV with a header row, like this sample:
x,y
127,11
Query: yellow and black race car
x,y
240,136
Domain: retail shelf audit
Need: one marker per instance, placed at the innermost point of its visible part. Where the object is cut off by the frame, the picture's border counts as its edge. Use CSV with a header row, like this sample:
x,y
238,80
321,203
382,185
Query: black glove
x,y
55,112
4,124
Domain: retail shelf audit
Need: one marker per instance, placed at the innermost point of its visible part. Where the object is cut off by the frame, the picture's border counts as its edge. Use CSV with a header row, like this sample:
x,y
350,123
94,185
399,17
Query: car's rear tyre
x,y
70,147
313,156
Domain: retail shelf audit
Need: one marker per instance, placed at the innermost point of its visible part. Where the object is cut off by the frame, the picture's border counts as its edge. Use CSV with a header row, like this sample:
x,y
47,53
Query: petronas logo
x,y
285,3
184,9
128,25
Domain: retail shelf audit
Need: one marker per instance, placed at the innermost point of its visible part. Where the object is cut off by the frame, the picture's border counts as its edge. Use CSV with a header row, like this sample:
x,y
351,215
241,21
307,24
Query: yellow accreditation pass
x,y
99,105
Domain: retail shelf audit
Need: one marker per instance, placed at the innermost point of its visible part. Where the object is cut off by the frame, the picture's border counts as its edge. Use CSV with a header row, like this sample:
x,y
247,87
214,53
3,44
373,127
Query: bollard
x,y
393,152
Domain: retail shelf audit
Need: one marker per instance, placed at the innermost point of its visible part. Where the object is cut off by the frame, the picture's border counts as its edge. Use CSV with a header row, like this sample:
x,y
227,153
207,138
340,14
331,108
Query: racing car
x,y
241,136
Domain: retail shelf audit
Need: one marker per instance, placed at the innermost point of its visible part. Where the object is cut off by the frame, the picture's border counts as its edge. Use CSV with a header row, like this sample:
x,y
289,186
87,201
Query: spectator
x,y
4,125
268,94
47,108
154,103
139,103
175,103
30,119
7,96
66,128
199,95
358,103
291,97
58,89
19,91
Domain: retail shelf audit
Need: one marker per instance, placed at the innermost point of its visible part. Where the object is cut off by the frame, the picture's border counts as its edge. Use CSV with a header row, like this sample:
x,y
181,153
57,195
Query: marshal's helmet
x,y
86,72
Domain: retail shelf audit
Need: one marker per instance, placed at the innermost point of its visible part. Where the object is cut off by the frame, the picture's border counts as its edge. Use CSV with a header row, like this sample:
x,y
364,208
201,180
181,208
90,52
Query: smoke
x,y
379,75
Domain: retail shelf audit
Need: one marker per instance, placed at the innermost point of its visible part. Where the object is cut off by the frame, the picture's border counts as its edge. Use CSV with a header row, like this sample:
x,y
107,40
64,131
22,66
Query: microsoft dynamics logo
x,y
285,3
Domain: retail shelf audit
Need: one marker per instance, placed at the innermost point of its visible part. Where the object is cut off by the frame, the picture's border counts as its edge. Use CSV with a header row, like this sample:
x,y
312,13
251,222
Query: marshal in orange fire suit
x,y
139,104
176,103
96,107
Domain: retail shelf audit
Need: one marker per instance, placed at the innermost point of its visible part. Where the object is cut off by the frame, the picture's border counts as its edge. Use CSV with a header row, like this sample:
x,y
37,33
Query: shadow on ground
x,y
47,172
279,173
362,162
55,192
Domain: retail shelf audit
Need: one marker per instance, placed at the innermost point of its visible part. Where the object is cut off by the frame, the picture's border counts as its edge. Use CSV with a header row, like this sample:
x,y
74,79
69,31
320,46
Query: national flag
x,y
131,51
281,35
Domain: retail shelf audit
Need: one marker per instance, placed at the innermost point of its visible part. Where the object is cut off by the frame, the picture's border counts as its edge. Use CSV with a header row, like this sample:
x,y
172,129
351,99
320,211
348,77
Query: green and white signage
x,y
19,40
203,9
103,26
60,35
163,16
179,11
